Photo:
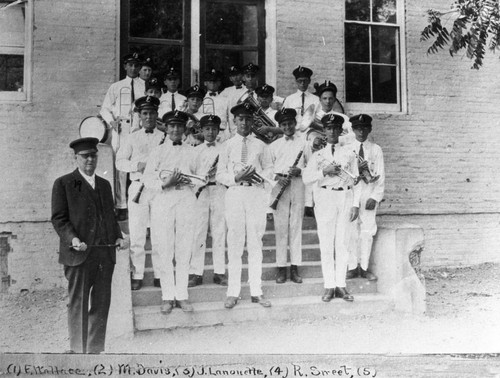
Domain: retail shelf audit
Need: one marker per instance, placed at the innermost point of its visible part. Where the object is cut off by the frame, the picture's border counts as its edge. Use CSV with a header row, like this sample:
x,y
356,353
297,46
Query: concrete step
x,y
289,308
209,292
308,269
310,252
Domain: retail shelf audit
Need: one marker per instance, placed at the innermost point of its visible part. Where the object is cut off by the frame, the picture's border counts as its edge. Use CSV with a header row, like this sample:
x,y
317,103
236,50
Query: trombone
x,y
366,174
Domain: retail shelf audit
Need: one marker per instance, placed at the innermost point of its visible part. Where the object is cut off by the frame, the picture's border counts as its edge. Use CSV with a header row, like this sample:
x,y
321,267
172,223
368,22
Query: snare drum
x,y
95,127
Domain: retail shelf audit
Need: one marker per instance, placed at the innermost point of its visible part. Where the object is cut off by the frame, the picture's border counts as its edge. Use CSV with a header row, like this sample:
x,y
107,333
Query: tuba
x,y
264,127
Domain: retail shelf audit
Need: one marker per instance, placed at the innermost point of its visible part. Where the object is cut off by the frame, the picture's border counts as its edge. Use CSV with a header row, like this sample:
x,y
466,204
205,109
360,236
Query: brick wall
x,y
441,155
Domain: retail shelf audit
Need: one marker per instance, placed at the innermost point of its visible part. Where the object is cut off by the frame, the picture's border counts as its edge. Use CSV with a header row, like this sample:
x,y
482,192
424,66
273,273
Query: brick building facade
x,y
440,149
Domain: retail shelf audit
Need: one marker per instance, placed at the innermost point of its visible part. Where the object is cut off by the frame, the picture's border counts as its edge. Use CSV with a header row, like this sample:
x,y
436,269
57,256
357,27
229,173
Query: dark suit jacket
x,y
74,214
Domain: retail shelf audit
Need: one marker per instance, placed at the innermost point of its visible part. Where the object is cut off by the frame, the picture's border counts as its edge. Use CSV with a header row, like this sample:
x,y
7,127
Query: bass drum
x,y
95,127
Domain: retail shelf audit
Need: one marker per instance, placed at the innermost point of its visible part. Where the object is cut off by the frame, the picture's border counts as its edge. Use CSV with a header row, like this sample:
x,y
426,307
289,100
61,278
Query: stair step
x,y
308,269
296,308
209,292
310,252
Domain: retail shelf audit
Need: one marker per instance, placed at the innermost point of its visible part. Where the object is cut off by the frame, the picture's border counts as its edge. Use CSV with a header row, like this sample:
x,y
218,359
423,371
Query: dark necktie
x,y
303,103
333,149
148,131
173,102
177,143
211,144
132,94
361,151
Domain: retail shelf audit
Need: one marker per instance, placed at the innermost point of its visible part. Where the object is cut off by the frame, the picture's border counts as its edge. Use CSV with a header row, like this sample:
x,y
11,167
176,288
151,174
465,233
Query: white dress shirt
x,y
230,159
89,179
284,152
374,156
136,150
294,101
166,102
118,99
205,157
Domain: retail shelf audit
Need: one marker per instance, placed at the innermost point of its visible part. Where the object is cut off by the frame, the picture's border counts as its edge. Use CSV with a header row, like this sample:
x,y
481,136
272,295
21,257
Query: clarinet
x,y
214,164
274,205
137,196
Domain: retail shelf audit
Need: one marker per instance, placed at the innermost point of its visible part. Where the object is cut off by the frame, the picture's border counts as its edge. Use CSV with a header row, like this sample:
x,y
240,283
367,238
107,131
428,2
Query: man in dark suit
x,y
83,216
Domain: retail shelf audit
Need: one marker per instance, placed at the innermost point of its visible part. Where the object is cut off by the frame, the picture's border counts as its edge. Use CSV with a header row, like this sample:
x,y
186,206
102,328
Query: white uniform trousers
x,y
245,209
363,231
209,209
117,140
172,236
288,222
332,209
138,220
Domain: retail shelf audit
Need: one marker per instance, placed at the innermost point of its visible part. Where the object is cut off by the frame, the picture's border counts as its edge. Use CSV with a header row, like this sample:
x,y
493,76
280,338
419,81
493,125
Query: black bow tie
x,y
239,87
211,144
148,131
289,137
177,143
213,93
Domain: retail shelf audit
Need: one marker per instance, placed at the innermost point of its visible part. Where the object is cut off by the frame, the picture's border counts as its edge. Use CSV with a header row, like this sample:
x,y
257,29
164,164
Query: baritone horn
x,y
187,179
344,175
255,178
366,174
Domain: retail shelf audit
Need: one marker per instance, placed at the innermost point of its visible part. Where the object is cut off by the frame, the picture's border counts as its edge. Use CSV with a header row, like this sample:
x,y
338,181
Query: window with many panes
x,y
15,51
373,65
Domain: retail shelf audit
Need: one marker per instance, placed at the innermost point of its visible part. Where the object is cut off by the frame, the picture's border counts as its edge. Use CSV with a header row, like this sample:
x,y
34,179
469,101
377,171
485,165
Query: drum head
x,y
94,127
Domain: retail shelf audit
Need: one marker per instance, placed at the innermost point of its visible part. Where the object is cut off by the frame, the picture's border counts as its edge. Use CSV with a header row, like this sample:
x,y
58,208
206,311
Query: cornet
x,y
344,174
366,174
255,178
188,179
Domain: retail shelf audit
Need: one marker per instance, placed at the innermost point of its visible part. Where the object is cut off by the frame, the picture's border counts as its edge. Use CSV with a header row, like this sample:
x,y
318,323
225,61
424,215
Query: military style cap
x,y
285,114
250,68
213,75
148,62
210,119
302,72
147,102
332,120
84,144
234,70
195,91
326,86
175,116
243,109
134,57
153,83
264,90
361,120
172,73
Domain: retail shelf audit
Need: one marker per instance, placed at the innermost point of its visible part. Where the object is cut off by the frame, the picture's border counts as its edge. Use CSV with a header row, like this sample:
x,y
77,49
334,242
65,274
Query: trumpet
x,y
188,179
255,178
344,175
366,174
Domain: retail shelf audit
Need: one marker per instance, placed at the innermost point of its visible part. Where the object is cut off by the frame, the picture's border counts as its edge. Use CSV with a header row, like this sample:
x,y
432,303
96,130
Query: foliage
x,y
476,25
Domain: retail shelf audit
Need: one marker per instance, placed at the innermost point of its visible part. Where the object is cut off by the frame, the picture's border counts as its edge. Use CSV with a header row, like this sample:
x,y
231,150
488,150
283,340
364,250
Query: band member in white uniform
x,y
372,173
215,103
232,94
117,110
301,99
131,158
171,99
172,214
333,171
209,207
288,155
243,164
193,107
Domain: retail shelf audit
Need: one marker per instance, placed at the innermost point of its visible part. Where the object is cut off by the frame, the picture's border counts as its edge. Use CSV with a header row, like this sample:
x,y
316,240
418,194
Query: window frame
x,y
401,86
25,95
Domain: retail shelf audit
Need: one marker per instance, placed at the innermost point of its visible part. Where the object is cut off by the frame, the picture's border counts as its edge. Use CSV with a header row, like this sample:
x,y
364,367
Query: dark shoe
x,y
261,300
156,282
281,275
136,284
309,212
368,275
341,292
220,279
294,274
167,307
121,215
185,305
328,295
353,273
230,302
195,280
